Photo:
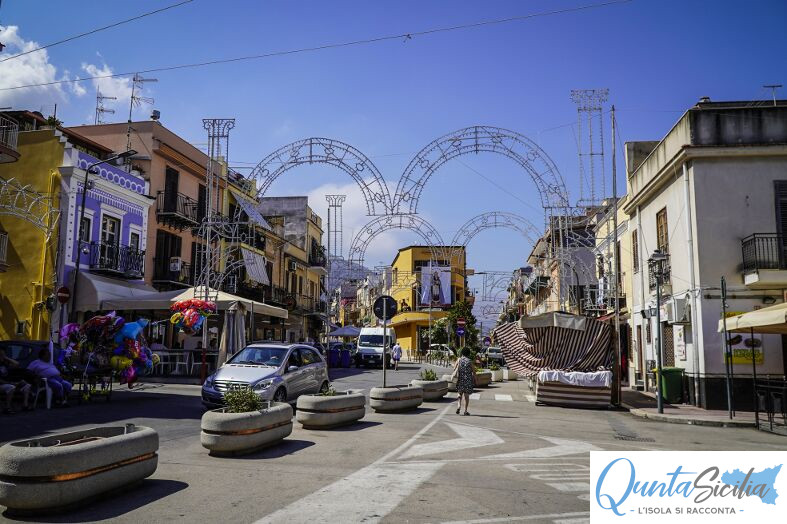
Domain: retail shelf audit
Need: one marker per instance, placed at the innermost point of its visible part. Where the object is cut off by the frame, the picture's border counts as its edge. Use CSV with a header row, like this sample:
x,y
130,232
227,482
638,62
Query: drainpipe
x,y
692,282
642,282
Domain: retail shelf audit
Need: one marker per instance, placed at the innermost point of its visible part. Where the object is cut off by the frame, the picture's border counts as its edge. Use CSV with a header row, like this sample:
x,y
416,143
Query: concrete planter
x,y
322,412
451,383
433,389
483,378
497,375
396,398
240,433
509,374
61,471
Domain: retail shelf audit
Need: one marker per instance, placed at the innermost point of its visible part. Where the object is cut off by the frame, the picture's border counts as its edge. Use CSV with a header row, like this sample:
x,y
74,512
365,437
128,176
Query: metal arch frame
x,y
493,220
21,201
475,139
384,223
331,152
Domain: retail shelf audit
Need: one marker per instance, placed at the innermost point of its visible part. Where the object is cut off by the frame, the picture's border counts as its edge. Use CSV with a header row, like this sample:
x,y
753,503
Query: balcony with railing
x,y
177,210
318,261
118,260
9,134
764,260
3,251
171,274
666,275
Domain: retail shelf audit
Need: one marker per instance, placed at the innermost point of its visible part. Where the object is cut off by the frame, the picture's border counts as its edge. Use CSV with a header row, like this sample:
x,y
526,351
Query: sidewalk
x,y
643,404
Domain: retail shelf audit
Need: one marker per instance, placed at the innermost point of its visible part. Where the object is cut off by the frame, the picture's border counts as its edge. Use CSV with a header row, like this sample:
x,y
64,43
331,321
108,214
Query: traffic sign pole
x,y
385,338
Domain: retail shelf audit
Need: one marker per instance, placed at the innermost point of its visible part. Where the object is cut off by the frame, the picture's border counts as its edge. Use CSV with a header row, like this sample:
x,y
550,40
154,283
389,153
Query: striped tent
x,y
555,341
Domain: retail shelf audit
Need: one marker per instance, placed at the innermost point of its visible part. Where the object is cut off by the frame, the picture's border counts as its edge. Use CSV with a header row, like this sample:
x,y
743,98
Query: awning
x,y
251,210
554,319
95,292
415,316
163,301
256,266
771,320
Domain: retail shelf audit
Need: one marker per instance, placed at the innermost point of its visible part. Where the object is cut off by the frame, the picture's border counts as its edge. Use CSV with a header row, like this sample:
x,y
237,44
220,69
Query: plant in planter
x,y
244,426
509,374
497,373
330,409
483,377
433,388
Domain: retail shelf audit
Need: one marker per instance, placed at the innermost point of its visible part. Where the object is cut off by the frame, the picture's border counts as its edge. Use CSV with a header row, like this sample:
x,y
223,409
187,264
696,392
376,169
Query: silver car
x,y
275,371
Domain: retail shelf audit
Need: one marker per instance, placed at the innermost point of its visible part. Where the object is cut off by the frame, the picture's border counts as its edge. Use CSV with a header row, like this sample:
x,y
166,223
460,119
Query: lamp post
x,y
656,267
123,155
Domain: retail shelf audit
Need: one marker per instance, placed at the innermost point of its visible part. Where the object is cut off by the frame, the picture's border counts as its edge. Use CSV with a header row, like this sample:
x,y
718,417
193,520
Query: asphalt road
x,y
510,461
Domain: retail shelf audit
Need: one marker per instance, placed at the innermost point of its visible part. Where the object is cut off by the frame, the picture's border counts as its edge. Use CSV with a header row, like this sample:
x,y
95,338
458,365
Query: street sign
x,y
460,322
63,295
384,307
487,341
460,331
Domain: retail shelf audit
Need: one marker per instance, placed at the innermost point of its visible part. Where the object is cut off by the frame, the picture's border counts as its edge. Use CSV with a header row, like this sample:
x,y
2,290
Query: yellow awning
x,y
416,316
769,320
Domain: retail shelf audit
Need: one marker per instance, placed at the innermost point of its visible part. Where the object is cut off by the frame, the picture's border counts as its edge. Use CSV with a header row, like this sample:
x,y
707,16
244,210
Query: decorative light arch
x,y
331,152
475,139
22,201
494,220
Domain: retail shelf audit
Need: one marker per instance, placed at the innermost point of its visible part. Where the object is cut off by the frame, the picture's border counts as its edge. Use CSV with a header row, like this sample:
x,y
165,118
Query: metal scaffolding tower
x,y
590,143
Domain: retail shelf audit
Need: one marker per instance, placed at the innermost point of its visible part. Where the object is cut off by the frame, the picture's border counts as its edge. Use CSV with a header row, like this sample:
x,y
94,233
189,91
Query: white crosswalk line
x,y
508,398
475,396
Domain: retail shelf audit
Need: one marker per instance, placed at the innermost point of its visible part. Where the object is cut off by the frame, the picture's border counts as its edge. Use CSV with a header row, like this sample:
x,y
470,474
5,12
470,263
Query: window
x,y
662,234
110,230
308,357
635,250
133,241
84,230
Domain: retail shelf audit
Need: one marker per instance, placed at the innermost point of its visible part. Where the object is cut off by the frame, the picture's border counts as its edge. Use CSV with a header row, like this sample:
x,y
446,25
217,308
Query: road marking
x,y
530,398
475,396
562,447
581,520
383,486
469,437
570,478
508,398
576,514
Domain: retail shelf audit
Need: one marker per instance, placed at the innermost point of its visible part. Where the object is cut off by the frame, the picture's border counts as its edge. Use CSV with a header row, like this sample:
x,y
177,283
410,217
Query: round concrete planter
x,y
497,375
323,412
433,389
451,383
509,374
483,378
239,433
60,471
396,398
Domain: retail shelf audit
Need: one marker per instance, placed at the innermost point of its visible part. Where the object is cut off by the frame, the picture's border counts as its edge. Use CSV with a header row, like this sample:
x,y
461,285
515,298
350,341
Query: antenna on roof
x,y
100,109
773,88
137,83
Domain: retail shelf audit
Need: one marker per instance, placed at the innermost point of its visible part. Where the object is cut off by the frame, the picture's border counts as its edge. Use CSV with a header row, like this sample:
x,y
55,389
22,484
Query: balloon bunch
x,y
112,335
188,315
131,358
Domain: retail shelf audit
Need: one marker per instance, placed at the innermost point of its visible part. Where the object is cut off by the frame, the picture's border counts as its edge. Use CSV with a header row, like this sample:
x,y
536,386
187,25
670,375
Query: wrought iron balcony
x,y
120,260
3,251
665,279
164,274
317,257
9,134
177,210
764,251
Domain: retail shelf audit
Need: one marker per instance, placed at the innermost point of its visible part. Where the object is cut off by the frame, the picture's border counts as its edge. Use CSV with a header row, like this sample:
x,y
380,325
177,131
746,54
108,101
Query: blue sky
x,y
391,99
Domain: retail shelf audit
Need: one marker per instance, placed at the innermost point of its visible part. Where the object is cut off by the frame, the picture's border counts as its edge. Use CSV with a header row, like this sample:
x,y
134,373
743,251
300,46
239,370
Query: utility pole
x,y
618,375
727,351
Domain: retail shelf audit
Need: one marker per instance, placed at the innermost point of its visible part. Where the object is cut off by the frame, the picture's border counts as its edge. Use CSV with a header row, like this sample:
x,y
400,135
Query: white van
x,y
370,346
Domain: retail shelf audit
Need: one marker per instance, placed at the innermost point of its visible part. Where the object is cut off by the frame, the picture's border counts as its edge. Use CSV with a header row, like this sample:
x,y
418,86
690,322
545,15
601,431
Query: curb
x,y
691,421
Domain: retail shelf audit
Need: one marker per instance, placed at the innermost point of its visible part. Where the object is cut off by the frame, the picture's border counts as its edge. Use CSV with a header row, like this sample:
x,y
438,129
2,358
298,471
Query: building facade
x,y
712,195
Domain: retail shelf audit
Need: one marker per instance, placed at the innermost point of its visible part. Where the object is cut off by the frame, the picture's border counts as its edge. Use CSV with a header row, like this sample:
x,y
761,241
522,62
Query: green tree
x,y
463,310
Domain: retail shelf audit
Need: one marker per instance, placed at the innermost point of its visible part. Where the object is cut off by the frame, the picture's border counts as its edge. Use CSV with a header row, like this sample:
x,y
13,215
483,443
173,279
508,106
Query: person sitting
x,y
9,385
43,368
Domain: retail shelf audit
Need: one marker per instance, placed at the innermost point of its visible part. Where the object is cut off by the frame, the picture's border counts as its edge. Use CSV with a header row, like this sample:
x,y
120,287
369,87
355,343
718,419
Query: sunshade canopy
x,y
96,290
346,331
554,319
771,320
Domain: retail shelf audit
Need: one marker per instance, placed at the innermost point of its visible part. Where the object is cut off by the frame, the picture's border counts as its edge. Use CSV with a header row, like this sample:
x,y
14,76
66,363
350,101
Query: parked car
x,y
24,351
276,371
494,354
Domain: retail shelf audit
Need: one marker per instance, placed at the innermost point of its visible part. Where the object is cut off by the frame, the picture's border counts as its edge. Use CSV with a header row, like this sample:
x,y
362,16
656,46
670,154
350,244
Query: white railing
x,y
9,133
3,250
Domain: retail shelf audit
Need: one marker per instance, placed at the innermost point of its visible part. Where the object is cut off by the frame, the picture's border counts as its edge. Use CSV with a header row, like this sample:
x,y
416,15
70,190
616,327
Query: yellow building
x,y
411,323
29,220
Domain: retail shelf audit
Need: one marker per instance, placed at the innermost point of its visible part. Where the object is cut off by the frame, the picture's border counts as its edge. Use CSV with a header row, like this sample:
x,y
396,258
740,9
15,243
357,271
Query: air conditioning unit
x,y
175,263
291,265
677,311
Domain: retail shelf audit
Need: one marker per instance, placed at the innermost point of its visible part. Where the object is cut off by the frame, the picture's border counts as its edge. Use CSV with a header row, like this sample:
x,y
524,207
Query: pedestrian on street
x,y
464,372
396,354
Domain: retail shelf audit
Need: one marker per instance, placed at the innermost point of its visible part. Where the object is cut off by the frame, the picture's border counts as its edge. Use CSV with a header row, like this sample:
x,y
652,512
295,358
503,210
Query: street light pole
x,y
656,266
125,154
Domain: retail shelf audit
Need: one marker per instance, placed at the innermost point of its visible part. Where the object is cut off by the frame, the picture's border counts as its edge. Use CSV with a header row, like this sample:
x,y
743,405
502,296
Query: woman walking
x,y
464,371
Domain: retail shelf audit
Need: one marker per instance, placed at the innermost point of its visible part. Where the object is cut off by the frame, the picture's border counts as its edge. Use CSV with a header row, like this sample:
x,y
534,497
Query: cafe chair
x,y
777,403
763,404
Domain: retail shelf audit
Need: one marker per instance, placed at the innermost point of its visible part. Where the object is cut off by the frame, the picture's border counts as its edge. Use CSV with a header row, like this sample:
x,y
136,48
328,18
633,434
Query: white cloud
x,y
33,68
